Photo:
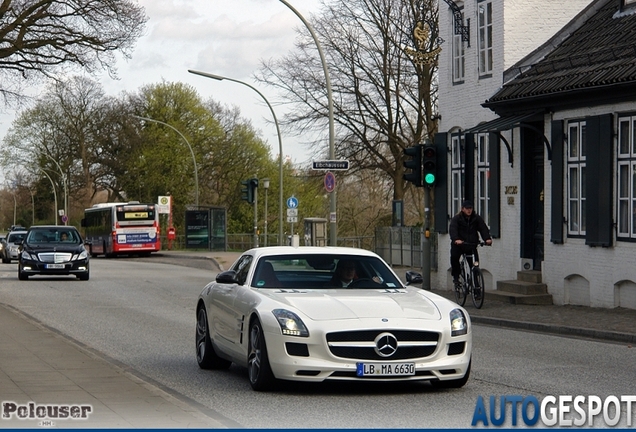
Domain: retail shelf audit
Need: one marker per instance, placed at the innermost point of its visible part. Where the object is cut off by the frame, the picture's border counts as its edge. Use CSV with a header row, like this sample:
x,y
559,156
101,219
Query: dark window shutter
x,y
598,162
469,167
494,151
441,184
556,231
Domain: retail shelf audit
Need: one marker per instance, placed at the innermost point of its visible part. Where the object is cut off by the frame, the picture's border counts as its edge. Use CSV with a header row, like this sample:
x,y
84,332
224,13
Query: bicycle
x,y
471,279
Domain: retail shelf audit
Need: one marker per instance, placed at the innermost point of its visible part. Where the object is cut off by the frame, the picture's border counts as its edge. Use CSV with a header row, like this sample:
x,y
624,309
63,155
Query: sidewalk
x,y
41,367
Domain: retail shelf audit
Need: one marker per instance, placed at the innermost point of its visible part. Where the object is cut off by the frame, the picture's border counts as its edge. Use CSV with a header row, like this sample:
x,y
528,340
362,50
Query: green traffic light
x,y
429,178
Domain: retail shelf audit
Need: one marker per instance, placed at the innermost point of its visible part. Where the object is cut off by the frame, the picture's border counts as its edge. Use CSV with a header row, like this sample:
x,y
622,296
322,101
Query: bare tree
x,y
41,37
384,96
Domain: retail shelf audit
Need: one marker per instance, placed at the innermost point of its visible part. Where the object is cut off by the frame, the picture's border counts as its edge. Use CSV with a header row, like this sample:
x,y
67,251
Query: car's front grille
x,y
55,257
361,345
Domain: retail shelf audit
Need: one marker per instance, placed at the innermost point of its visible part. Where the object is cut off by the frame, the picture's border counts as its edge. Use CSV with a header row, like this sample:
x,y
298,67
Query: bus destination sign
x,y
331,165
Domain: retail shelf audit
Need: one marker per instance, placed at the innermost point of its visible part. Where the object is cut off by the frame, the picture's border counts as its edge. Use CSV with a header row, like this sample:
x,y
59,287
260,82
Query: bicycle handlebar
x,y
480,244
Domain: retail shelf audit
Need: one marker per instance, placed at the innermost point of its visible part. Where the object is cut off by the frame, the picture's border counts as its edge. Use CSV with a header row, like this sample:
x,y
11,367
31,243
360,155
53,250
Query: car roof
x,y
71,227
17,232
309,250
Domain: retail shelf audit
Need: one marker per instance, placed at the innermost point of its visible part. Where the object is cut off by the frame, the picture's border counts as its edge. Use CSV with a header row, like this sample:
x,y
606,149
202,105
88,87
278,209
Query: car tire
x,y
22,275
84,276
6,260
206,356
457,383
259,370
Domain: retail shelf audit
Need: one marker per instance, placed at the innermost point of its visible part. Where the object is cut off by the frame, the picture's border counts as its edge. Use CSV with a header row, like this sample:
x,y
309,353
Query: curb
x,y
556,330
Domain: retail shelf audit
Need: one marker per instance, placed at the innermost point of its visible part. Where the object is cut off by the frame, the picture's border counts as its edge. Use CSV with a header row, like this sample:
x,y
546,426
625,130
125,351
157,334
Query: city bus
x,y
122,228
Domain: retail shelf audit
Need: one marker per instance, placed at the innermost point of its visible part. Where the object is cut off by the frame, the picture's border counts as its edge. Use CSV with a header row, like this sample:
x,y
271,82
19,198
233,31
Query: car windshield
x,y
53,235
13,238
323,271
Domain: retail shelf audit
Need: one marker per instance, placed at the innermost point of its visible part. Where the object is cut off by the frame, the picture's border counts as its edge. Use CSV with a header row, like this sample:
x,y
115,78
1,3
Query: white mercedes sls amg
x,y
329,313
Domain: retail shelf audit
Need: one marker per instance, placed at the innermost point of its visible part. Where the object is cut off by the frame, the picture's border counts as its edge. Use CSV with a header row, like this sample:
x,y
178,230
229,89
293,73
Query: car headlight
x,y
82,255
28,256
459,324
290,323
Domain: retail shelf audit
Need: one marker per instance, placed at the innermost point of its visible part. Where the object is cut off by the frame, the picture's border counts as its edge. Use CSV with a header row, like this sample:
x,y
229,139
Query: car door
x,y
223,318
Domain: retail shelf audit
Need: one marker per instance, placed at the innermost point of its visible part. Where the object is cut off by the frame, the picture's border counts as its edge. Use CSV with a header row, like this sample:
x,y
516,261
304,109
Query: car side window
x,y
242,267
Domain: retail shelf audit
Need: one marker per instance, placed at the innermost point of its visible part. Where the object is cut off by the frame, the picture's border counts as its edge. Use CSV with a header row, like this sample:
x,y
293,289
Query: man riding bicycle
x,y
465,229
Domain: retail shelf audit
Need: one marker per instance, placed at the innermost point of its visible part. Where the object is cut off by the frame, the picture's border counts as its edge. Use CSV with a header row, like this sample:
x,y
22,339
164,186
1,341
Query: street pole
x,y
426,244
266,186
280,145
256,216
194,159
333,227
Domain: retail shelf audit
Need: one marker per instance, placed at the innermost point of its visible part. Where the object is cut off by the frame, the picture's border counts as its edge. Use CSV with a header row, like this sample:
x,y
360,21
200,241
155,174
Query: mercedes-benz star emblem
x,y
385,344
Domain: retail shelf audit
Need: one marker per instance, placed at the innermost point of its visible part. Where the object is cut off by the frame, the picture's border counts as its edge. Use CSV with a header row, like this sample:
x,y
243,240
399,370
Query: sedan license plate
x,y
55,266
385,369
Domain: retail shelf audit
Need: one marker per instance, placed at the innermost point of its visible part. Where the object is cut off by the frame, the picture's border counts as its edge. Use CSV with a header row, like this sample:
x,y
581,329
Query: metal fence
x,y
398,246
402,246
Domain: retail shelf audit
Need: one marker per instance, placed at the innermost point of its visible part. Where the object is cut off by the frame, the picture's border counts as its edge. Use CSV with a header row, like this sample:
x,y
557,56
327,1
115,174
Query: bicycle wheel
x,y
479,289
460,290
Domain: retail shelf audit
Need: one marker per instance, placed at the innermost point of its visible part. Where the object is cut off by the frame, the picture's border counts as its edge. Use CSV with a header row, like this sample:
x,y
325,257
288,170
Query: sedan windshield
x,y
323,271
53,235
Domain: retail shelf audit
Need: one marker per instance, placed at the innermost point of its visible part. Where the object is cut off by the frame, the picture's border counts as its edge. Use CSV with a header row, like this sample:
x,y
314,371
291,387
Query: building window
x,y
576,150
483,176
457,172
484,37
626,177
459,62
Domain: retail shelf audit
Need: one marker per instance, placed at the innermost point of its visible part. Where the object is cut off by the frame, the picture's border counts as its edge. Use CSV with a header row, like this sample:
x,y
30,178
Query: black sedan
x,y
53,250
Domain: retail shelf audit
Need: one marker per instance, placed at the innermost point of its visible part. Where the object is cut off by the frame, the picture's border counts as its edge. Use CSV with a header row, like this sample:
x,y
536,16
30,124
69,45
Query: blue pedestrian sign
x,y
292,202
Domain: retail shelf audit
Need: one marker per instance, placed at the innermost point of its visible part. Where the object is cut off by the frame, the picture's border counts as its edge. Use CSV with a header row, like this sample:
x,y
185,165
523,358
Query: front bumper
x,y
311,359
30,267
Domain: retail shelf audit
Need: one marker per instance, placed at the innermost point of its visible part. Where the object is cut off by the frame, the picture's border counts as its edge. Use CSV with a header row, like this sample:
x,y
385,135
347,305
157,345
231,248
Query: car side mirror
x,y
88,242
413,277
227,277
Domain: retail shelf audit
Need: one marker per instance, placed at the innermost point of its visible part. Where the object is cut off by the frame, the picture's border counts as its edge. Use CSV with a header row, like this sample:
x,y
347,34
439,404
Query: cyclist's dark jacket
x,y
466,229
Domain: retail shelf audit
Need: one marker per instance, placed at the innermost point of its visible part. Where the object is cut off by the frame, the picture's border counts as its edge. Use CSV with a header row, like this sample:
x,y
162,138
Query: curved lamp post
x,y
280,145
64,183
194,160
333,233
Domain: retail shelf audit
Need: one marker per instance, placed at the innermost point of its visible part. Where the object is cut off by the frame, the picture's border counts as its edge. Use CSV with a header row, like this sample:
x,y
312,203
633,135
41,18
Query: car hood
x,y
353,304
39,248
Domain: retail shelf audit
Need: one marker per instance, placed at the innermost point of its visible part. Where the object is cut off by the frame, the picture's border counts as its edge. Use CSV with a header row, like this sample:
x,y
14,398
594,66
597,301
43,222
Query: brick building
x,y
538,124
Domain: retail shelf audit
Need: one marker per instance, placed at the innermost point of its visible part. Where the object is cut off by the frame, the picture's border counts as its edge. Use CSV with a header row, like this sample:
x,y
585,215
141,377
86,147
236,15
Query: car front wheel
x,y
260,372
206,356
22,275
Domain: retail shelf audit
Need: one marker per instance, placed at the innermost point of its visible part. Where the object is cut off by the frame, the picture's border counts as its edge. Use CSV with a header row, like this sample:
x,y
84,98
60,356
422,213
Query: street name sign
x,y
331,165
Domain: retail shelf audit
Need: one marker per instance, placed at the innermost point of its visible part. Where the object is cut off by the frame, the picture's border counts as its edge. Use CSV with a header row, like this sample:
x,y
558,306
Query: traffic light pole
x,y
426,244
255,216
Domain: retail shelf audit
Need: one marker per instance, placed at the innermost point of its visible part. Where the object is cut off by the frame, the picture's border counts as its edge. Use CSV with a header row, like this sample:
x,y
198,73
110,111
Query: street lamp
x,y
280,145
266,186
64,183
194,160
333,233
54,192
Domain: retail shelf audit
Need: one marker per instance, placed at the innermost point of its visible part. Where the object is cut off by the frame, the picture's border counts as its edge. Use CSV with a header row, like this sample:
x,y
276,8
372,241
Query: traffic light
x,y
414,164
429,165
249,190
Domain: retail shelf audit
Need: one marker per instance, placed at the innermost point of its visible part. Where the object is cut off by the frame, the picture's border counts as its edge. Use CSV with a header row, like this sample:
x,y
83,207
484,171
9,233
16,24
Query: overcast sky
x,y
224,37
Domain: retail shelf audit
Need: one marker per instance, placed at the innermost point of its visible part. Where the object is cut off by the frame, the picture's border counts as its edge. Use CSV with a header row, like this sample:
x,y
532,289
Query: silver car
x,y
11,246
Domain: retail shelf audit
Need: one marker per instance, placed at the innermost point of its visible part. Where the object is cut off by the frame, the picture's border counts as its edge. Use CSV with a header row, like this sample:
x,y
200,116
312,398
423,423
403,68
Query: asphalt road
x,y
140,313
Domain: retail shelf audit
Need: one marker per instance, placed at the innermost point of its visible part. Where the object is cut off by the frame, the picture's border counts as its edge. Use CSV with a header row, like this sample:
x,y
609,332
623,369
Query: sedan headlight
x,y
28,256
459,324
81,256
290,323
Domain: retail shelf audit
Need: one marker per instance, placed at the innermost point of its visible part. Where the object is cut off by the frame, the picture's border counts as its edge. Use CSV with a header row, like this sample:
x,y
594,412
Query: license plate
x,y
385,369
55,266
